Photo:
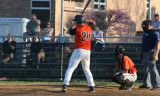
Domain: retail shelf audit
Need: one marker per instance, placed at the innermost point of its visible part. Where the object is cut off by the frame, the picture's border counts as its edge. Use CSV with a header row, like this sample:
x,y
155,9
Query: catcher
x,y
125,72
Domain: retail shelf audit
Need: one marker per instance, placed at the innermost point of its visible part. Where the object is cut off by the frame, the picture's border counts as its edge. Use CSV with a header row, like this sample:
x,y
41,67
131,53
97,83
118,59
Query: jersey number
x,y
86,35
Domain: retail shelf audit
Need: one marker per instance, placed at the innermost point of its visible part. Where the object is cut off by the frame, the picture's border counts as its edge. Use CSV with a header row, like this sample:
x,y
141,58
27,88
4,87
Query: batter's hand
x,y
74,25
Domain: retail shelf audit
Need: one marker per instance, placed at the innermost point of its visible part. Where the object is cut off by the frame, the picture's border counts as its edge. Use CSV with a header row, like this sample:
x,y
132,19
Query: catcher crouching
x,y
125,73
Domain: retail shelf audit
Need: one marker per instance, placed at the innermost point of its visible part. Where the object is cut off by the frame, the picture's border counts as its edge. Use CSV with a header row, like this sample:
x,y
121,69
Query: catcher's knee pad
x,y
120,78
127,82
115,80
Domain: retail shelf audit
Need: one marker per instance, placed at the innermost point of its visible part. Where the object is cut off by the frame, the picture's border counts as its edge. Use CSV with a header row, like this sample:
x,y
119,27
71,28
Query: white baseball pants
x,y
77,56
131,77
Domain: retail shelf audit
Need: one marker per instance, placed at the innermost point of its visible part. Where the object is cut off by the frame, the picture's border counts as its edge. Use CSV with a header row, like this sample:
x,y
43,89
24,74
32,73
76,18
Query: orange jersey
x,y
83,37
128,64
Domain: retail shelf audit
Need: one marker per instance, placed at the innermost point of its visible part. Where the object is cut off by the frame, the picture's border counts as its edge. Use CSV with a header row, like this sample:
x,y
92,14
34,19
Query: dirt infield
x,y
35,89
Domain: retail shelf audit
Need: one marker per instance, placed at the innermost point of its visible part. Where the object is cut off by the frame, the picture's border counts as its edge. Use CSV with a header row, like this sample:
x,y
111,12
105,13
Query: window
x,y
42,8
103,1
75,0
40,4
95,6
99,4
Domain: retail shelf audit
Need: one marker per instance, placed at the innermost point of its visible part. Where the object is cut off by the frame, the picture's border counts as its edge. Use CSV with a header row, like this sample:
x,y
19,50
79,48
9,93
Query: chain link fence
x,y
115,18
120,21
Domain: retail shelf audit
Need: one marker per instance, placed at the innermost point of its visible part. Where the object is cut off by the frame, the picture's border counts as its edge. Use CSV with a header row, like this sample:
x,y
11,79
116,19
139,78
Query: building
x,y
51,10
45,9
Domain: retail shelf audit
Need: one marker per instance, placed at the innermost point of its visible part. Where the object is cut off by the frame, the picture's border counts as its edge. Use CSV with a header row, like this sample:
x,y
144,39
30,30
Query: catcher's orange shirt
x,y
128,64
83,37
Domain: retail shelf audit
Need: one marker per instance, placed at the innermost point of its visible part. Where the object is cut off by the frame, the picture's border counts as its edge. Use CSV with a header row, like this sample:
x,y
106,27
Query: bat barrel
x,y
86,6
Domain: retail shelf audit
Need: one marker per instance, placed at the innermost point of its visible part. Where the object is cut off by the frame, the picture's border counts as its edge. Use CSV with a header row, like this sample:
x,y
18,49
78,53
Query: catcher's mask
x,y
119,50
145,25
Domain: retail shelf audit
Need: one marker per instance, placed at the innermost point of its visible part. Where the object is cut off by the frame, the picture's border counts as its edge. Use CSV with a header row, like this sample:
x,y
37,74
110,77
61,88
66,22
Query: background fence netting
x,y
119,20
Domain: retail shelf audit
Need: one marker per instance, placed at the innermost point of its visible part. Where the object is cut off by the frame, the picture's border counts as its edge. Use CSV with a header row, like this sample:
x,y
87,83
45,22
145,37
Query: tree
x,y
111,20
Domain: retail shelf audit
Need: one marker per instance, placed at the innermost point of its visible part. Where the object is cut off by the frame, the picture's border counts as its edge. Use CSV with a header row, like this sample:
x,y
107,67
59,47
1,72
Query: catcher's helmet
x,y
119,50
79,18
145,24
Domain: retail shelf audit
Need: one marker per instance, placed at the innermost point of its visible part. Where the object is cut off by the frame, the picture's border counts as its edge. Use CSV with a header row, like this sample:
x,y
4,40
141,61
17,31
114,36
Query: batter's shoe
x,y
64,88
142,86
155,88
91,89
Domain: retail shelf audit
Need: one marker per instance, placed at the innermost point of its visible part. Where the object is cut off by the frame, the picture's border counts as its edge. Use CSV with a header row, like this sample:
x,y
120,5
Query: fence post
x,y
149,9
61,62
61,43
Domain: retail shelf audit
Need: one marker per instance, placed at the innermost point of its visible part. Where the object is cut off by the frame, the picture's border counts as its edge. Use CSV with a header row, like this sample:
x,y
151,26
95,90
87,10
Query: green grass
x,y
74,83
105,83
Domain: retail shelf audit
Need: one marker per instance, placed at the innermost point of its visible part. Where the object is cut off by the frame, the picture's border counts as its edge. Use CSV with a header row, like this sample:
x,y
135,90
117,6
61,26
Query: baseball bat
x,y
86,6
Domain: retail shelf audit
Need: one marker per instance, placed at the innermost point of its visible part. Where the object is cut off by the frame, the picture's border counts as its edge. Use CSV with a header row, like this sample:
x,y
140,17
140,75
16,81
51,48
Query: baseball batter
x,y
81,51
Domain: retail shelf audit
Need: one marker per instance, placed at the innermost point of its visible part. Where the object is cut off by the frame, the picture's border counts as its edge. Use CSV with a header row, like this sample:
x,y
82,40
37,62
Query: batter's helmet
x,y
79,18
119,50
145,24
